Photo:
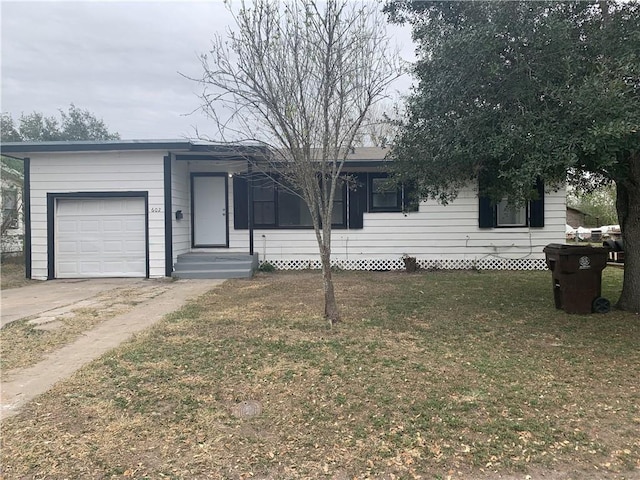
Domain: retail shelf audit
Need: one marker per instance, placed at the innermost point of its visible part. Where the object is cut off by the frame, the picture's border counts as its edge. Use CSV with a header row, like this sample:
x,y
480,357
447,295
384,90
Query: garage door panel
x,y
113,267
67,226
117,266
114,246
136,266
88,208
67,208
89,226
129,245
88,246
67,269
129,209
133,226
67,247
100,237
113,225
99,206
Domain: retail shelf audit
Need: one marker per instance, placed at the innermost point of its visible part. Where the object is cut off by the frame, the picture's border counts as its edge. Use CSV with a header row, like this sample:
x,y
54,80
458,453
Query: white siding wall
x,y
181,200
435,233
96,172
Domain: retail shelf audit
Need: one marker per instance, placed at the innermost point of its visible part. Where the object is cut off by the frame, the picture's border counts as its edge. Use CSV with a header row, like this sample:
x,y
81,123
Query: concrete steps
x,y
215,265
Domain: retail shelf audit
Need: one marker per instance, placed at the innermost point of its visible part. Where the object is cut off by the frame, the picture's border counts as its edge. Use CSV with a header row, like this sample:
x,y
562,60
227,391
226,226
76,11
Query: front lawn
x,y
12,273
430,375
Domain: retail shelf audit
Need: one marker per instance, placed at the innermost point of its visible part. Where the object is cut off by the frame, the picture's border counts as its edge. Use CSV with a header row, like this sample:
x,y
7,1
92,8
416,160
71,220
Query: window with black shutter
x,y
275,206
504,215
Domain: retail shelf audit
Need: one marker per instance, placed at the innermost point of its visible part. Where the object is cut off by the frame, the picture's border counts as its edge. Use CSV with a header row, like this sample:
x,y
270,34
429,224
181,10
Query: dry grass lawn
x,y
12,274
433,375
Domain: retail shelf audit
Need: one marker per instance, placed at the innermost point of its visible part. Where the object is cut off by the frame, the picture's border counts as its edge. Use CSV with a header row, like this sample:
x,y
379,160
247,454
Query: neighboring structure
x,y
138,208
575,217
11,240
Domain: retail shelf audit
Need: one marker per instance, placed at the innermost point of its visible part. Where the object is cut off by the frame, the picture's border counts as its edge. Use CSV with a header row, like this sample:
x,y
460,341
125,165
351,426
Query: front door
x,y
209,209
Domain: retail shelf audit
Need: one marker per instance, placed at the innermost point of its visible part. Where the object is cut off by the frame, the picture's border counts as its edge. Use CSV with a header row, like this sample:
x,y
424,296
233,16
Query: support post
x,y
250,201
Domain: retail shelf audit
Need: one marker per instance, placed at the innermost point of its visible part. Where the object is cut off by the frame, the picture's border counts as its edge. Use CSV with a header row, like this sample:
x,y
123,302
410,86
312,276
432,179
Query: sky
x,y
122,61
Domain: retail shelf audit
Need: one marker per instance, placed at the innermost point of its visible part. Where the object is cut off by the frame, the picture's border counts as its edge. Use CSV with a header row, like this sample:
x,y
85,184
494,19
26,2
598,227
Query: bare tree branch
x,y
300,77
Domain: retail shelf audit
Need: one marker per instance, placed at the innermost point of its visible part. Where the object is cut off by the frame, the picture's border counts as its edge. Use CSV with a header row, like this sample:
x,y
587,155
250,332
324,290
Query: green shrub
x,y
266,267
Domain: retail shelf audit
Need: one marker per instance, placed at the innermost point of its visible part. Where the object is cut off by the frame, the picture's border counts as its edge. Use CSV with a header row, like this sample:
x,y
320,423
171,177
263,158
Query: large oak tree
x,y
515,91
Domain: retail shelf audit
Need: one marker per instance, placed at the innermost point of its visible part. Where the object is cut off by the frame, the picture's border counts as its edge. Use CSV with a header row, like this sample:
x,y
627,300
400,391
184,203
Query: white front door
x,y
209,210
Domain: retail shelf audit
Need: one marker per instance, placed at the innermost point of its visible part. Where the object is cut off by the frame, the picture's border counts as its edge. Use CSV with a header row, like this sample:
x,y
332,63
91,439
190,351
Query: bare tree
x,y
300,77
10,214
381,125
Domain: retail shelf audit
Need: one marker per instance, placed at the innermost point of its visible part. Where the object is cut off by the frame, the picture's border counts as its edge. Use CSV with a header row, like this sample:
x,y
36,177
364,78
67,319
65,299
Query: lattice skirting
x,y
486,263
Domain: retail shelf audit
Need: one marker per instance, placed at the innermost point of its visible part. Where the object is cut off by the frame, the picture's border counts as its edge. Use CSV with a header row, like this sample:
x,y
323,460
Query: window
x,y
264,203
383,195
292,210
510,215
275,206
10,209
491,215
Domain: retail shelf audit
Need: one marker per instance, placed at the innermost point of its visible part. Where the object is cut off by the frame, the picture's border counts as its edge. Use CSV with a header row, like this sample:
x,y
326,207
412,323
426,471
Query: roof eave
x,y
91,146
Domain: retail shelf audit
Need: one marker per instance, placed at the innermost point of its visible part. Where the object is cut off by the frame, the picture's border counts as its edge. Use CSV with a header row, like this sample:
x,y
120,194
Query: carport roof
x,y
184,149
180,145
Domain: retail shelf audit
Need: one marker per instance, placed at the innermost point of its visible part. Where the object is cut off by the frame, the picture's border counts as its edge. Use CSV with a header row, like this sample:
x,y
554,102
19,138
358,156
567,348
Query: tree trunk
x,y
331,312
628,206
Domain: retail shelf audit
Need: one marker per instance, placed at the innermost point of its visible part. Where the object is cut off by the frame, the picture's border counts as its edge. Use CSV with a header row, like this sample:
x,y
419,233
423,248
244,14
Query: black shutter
x,y
486,213
240,203
486,209
536,207
357,200
410,203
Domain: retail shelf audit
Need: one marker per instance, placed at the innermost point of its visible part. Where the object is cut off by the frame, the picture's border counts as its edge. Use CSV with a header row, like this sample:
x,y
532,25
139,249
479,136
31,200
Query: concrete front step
x,y
213,257
215,265
221,274
226,265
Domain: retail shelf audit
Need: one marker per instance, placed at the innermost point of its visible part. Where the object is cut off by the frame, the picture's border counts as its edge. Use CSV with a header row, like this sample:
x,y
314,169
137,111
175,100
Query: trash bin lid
x,y
565,249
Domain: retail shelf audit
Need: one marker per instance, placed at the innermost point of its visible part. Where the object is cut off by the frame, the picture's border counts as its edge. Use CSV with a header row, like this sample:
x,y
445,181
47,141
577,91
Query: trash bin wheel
x,y
601,305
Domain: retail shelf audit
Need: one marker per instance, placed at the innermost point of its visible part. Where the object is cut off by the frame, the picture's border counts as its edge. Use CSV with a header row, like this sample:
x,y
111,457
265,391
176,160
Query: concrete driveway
x,y
37,299
55,298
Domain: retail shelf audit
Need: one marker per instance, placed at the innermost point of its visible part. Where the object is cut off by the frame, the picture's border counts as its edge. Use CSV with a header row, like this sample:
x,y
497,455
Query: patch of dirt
x,y
49,326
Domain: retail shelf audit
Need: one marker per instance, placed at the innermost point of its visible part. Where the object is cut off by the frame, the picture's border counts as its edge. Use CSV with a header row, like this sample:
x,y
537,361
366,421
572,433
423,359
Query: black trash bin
x,y
577,277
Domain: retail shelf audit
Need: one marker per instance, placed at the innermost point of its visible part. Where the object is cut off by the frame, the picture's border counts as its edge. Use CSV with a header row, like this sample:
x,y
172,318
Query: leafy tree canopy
x,y
509,92
75,124
520,90
13,163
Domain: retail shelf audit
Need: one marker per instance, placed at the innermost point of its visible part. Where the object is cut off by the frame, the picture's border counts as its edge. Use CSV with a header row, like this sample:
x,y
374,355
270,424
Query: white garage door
x,y
100,237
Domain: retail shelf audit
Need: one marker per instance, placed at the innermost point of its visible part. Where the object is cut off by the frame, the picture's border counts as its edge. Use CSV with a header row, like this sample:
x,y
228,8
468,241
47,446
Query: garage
x,y
100,237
